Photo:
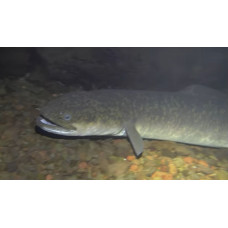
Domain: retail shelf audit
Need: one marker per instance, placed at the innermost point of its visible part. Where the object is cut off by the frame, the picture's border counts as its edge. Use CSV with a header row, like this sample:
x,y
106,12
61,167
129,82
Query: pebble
x,y
193,176
130,157
202,162
178,161
163,168
158,175
172,169
118,169
49,177
94,161
203,169
189,160
83,165
134,168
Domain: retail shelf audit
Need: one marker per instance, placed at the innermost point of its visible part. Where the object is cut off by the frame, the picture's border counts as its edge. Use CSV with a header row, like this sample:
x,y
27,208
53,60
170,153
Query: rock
x,y
82,165
49,177
221,174
189,160
118,170
158,175
130,157
134,168
203,169
192,176
94,161
172,169
178,162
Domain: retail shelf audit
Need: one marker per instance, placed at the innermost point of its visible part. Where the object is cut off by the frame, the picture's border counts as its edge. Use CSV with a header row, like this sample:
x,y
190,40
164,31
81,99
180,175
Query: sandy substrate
x,y
25,153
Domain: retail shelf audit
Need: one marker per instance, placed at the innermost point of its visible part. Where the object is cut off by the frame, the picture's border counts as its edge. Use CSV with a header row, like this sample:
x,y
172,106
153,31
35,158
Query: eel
x,y
196,115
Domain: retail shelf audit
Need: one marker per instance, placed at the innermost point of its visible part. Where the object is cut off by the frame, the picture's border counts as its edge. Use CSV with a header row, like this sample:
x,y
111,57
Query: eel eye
x,y
67,117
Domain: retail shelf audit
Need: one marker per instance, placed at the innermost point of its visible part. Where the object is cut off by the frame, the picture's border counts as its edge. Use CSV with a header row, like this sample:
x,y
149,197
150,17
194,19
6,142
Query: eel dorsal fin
x,y
202,91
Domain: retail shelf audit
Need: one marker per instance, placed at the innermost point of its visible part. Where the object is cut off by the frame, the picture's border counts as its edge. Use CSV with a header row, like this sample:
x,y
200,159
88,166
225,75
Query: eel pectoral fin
x,y
135,139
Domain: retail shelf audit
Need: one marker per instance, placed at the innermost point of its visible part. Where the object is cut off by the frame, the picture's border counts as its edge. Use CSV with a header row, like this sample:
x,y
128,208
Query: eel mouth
x,y
50,126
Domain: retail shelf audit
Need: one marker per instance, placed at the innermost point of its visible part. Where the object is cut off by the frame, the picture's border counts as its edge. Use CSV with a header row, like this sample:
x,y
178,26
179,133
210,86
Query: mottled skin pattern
x,y
196,115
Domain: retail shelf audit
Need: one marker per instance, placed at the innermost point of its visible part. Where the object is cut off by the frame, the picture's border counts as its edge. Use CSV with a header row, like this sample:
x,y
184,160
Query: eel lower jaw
x,y
48,126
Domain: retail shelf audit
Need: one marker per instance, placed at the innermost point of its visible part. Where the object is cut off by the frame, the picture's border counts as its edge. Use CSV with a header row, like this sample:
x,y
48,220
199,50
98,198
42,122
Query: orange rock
x,y
202,162
130,157
49,177
168,176
172,169
164,168
149,157
189,160
158,175
82,165
134,168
